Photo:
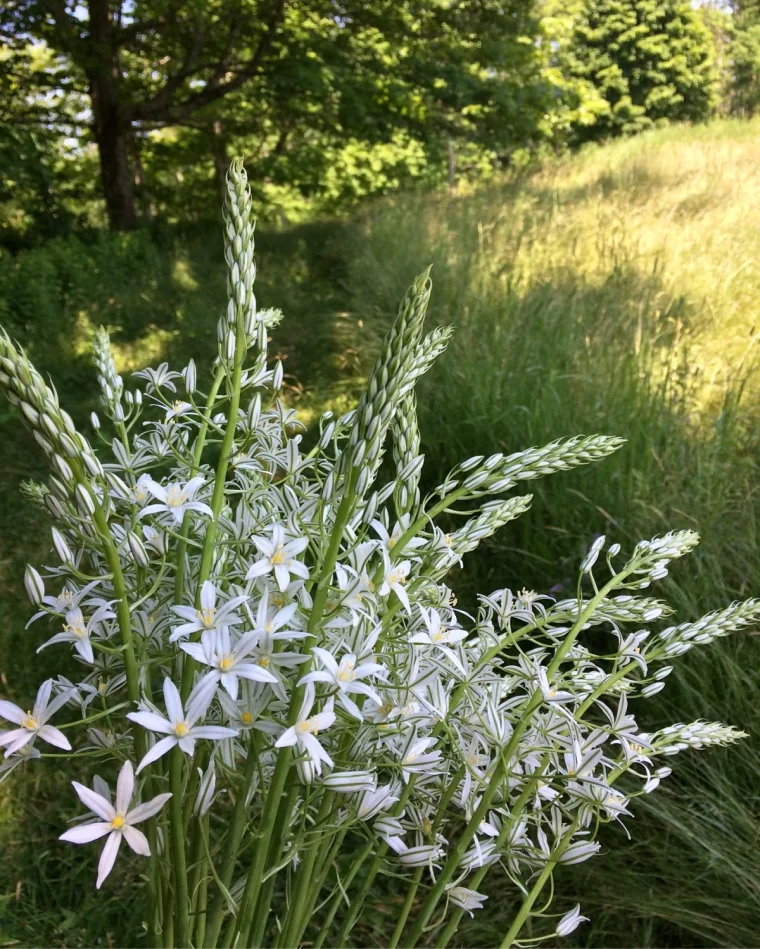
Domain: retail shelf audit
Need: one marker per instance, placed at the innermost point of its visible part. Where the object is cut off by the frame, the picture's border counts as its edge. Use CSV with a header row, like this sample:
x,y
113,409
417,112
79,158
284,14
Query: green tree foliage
x,y
736,38
650,60
295,77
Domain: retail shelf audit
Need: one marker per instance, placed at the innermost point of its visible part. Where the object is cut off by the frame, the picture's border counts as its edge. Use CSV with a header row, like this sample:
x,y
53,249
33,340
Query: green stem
x,y
275,854
457,852
412,892
299,902
181,903
217,498
284,758
200,444
337,901
519,920
231,845
514,816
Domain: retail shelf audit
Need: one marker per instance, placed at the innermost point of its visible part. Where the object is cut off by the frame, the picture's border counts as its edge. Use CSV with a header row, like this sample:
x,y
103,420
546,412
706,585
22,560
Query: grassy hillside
x,y
615,291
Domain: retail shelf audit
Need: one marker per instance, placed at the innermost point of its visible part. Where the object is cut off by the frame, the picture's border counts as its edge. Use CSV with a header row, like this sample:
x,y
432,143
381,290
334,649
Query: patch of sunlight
x,y
182,276
84,332
314,403
146,351
129,356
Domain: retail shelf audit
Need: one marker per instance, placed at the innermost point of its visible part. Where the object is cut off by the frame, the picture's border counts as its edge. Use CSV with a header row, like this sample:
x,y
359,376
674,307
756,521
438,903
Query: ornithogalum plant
x,y
273,664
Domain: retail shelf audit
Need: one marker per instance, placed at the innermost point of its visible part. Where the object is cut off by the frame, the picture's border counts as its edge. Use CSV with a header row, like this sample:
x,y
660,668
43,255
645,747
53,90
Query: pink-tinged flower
x,y
116,821
176,498
179,725
34,723
279,557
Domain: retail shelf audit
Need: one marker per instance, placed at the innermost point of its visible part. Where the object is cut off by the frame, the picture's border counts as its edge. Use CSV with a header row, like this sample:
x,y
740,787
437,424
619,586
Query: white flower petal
x,y
124,787
97,804
108,857
137,840
86,833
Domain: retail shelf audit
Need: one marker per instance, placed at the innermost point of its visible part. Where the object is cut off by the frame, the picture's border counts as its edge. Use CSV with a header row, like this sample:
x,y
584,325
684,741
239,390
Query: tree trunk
x,y
112,137
112,123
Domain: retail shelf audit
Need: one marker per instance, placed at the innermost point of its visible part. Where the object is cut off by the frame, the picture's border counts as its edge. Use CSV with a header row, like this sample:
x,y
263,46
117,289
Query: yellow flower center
x,y
207,617
118,822
175,496
447,540
29,721
310,725
246,717
263,662
77,629
278,557
181,729
225,663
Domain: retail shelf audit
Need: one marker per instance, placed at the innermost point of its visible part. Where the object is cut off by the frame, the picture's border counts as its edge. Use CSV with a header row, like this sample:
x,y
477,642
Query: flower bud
x,y
206,788
31,414
68,444
54,506
62,468
35,588
84,501
137,549
348,781
254,412
191,377
277,376
61,547
92,465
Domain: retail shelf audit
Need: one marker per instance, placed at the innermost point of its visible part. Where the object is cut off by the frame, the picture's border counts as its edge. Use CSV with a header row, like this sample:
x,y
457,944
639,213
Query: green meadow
x,y
613,291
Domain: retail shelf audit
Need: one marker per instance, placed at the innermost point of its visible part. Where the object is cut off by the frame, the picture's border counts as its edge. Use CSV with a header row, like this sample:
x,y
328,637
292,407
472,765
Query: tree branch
x,y
161,107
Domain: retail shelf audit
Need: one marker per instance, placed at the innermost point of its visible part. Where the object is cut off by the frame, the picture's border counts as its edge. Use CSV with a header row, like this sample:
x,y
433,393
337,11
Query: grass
x,y
615,290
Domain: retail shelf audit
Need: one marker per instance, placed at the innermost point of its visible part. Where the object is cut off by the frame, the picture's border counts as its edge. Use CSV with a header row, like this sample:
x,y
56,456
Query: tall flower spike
x,y
380,399
406,455
238,251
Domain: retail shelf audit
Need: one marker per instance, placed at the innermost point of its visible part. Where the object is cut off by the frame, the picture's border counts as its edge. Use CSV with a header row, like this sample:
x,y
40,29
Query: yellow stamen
x,y
118,822
181,729
246,717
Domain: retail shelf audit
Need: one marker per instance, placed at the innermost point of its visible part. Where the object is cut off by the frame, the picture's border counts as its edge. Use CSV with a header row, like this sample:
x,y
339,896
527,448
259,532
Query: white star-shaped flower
x,y
116,821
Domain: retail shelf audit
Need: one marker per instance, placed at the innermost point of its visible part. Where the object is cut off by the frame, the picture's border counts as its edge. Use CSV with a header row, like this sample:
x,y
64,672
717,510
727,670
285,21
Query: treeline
x,y
127,113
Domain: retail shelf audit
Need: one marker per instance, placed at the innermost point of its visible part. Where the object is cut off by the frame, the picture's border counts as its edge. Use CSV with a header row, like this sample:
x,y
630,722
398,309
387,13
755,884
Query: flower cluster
x,y
277,655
